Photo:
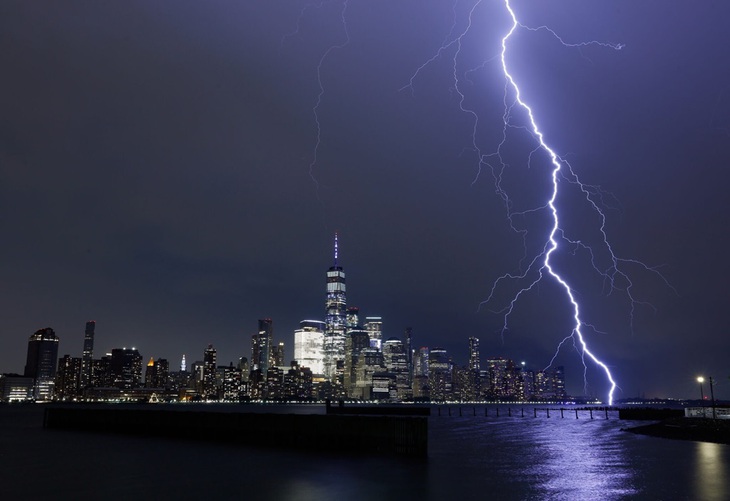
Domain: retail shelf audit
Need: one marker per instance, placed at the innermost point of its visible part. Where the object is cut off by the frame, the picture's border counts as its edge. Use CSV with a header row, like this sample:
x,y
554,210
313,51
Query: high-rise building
x,y
149,373
126,368
210,356
87,358
232,383
335,318
41,363
374,326
504,380
277,355
356,340
67,378
261,346
420,374
474,363
440,377
353,317
409,354
102,372
420,362
15,388
396,361
369,365
308,345
157,374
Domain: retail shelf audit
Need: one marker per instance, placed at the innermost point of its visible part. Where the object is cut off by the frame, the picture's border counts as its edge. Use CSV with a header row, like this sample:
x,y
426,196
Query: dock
x,y
357,434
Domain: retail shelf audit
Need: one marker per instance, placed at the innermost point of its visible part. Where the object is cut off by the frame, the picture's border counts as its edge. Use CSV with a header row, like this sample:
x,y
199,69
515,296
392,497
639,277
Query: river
x,y
518,457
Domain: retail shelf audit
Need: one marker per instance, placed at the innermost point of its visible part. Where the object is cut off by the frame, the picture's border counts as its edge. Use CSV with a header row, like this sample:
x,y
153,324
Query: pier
x,y
386,435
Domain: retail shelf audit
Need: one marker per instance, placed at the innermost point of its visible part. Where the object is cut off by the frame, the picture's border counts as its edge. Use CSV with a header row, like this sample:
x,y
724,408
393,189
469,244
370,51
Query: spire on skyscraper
x,y
336,249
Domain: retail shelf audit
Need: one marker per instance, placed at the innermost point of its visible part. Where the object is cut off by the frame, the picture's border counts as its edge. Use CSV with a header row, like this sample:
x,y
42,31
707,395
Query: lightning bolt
x,y
551,245
540,265
320,94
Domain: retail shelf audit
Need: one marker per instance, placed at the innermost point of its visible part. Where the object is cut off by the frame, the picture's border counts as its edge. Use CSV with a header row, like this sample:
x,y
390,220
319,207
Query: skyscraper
x,y
474,363
87,358
126,368
210,361
374,326
41,362
335,318
67,378
261,352
308,343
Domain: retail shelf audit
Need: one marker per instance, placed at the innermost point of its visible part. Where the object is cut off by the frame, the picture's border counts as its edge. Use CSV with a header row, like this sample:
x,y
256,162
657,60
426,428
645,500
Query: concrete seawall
x,y
390,435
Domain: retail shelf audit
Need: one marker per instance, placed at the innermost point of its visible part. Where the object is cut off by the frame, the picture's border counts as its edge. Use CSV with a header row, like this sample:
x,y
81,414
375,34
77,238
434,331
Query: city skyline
x,y
158,175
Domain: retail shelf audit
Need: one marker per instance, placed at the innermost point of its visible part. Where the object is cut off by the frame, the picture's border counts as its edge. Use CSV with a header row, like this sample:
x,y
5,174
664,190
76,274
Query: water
x,y
470,457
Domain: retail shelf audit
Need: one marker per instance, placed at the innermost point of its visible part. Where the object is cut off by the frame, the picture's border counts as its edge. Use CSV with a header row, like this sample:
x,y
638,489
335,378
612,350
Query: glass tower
x,y
87,359
41,362
335,318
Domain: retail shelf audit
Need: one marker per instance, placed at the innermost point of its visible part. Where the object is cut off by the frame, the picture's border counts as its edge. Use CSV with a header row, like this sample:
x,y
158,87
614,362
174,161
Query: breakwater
x,y
389,435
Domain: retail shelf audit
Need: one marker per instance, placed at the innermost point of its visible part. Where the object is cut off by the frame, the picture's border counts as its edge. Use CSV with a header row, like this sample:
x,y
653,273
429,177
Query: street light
x,y
702,394
712,393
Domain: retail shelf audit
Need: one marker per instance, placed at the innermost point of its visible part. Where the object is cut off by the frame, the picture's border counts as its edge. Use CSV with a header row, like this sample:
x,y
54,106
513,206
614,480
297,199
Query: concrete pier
x,y
389,435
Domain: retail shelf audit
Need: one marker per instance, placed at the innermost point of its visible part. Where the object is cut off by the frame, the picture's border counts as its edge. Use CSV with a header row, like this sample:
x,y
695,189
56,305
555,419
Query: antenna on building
x,y
336,248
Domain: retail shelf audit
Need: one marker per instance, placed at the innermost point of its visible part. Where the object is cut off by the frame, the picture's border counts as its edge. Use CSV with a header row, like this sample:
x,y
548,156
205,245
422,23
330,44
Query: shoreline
x,y
682,428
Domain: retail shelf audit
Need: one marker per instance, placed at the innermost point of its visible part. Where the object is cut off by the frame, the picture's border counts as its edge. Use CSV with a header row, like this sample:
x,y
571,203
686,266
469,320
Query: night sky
x,y
158,175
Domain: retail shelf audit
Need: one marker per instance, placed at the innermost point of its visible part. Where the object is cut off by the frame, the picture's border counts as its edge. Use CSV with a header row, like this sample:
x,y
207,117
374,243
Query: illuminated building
x,y
356,340
277,355
157,374
467,386
298,383
232,388
41,363
420,362
126,368
474,363
439,375
504,380
87,358
261,346
274,384
308,344
409,354
102,372
383,385
369,363
420,374
549,384
352,320
68,378
15,388
210,387
374,326
396,362
335,319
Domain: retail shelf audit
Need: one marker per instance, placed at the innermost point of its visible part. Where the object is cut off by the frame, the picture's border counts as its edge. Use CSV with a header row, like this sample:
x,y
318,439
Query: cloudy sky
x,y
162,173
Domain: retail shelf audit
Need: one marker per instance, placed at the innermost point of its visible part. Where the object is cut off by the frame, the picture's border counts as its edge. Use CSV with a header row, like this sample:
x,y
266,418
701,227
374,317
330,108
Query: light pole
x,y
712,393
702,394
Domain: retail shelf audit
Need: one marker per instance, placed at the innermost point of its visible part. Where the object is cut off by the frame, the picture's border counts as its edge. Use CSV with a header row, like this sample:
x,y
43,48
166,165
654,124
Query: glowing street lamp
x,y
702,394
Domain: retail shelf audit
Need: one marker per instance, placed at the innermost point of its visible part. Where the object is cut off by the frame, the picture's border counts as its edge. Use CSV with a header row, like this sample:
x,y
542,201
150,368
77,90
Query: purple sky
x,y
155,176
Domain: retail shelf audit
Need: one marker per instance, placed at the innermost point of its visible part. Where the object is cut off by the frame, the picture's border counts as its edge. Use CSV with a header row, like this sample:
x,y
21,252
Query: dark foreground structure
x,y
390,435
681,428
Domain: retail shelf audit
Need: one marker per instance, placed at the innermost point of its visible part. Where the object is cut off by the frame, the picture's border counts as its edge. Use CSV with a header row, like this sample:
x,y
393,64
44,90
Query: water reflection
x,y
711,470
528,458
583,461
